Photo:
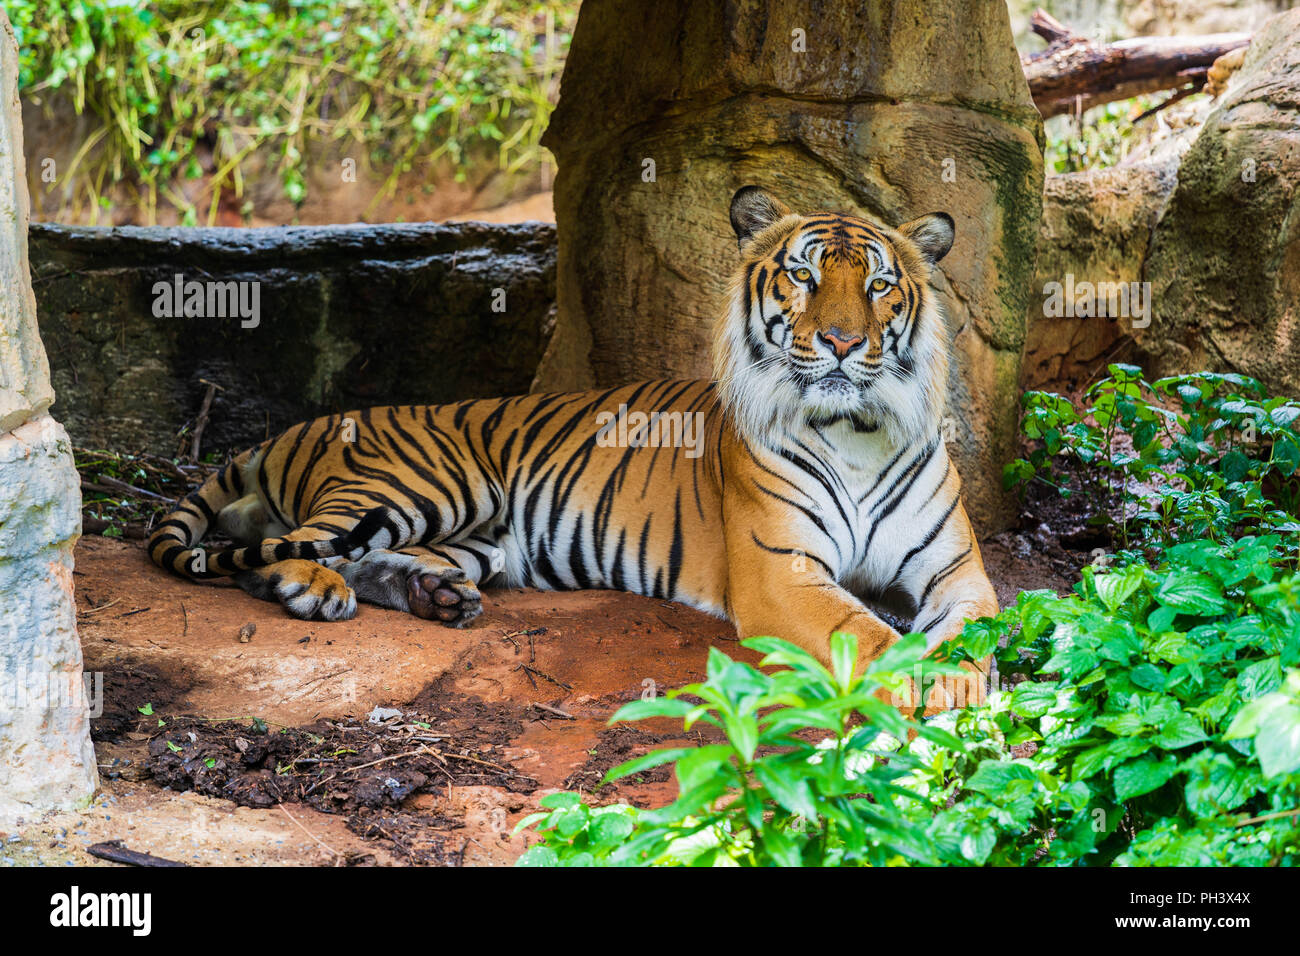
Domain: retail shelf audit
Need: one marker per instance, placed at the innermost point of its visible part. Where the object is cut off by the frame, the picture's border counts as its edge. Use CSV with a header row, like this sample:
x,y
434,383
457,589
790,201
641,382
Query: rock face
x,y
826,107
1097,229
1224,265
46,759
346,317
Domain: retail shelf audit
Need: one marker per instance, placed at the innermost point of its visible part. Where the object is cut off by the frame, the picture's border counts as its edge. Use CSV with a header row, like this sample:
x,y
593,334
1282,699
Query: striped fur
x,y
817,478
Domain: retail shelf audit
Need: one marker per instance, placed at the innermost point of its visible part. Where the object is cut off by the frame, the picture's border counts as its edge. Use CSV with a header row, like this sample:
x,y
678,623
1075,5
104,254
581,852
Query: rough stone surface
x,y
46,759
1097,228
25,390
1225,260
349,316
717,96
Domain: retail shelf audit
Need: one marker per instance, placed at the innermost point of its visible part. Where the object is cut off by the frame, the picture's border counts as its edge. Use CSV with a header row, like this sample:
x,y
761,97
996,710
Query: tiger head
x,y
832,319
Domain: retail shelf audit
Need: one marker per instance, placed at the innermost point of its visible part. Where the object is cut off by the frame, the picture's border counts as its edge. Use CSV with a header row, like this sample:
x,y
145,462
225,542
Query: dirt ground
x,y
231,733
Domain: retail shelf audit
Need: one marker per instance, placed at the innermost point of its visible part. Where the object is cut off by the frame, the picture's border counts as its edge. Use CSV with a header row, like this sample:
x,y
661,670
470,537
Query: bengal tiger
x,y
809,475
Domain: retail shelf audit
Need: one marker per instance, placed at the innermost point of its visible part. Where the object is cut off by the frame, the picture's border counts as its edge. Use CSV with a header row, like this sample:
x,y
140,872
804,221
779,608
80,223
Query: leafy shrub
x,y
470,80
768,796
1183,458
1136,690
1159,723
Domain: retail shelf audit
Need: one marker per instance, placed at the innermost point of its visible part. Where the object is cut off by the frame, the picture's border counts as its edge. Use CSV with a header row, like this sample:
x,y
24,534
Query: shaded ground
x,y
232,733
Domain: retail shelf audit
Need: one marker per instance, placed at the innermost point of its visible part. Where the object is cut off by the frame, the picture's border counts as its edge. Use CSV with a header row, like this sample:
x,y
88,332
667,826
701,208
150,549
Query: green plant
x,y
1186,457
1135,694
796,782
179,86
1101,137
1156,721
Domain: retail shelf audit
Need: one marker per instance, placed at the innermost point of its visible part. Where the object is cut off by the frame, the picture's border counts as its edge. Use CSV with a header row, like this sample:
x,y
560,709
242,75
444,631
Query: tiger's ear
x,y
931,234
752,211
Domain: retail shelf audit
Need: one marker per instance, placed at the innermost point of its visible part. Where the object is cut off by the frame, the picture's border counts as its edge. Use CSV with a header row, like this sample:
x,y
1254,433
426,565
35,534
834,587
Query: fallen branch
x,y
554,711
115,852
1075,73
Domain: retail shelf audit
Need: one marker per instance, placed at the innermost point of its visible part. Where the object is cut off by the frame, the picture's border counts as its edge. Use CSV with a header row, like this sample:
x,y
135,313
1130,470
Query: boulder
x,y
1224,264
1097,228
827,107
46,759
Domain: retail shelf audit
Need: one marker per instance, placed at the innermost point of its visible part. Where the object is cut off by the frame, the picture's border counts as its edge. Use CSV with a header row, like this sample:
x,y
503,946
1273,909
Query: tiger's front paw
x,y
447,596
319,594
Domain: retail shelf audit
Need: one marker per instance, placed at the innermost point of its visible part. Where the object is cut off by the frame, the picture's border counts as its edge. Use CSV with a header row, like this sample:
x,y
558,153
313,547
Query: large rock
x,y
828,107
25,390
1097,229
46,758
1224,265
348,316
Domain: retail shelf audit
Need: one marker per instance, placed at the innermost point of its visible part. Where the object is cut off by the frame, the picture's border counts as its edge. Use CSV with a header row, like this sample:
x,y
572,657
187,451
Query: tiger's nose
x,y
840,342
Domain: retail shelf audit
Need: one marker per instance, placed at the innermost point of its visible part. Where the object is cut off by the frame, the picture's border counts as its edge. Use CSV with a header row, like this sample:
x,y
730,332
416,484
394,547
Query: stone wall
x,y
348,317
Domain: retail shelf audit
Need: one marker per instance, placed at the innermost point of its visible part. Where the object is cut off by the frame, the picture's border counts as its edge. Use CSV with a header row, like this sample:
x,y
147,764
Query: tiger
x,y
806,479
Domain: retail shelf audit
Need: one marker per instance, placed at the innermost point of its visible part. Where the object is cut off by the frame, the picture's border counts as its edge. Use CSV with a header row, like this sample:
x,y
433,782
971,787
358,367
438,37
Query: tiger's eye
x,y
803,273
879,285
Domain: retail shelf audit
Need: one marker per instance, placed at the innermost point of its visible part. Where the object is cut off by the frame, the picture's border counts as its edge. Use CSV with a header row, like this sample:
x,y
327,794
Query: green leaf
x,y
1216,784
900,656
560,801
1192,592
1033,698
1148,676
844,656
1182,731
645,762
1102,758
1260,678
610,829
1118,586
1278,742
993,777
1142,776
539,855
652,707
787,785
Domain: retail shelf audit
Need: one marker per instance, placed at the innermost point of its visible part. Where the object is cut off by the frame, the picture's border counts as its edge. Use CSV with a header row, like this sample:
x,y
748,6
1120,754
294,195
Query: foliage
x,y
1158,724
1187,457
1098,139
1144,696
768,796
178,84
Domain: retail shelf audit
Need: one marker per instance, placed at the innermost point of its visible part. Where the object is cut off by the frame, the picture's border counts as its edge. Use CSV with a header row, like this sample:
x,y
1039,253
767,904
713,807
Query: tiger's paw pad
x,y
446,596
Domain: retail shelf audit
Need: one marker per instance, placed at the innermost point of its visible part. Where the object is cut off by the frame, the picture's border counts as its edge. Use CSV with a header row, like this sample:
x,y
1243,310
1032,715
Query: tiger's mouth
x,y
837,381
